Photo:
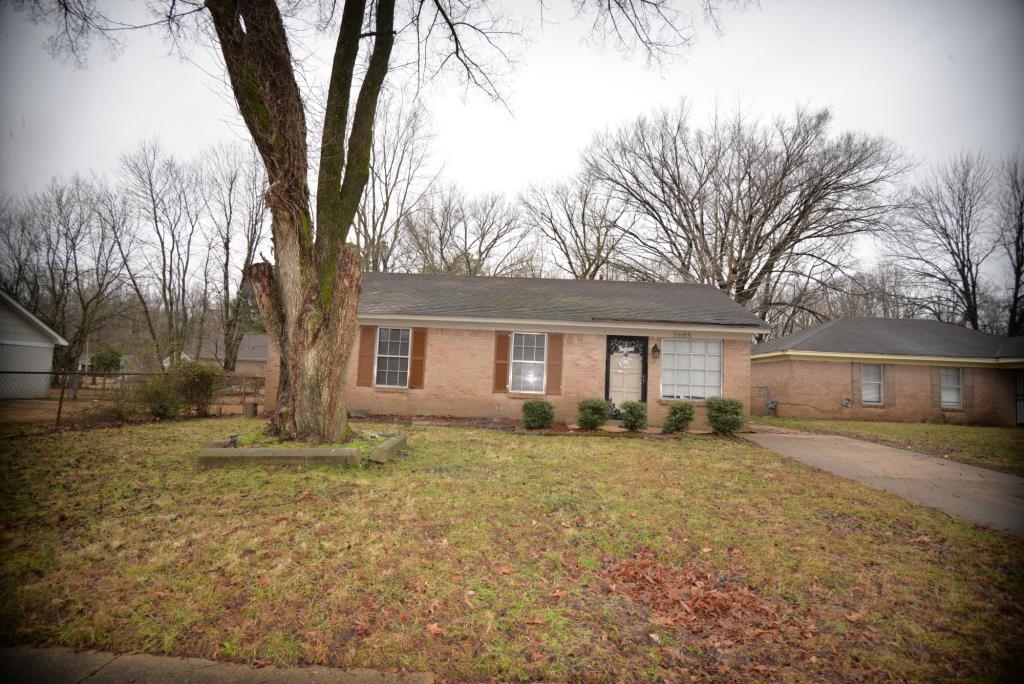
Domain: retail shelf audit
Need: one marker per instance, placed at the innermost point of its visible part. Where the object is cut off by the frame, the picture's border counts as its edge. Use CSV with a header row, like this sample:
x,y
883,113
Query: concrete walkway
x,y
62,665
977,495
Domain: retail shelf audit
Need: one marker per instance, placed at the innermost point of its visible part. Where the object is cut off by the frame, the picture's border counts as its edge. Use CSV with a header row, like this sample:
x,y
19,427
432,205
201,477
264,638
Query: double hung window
x,y
392,368
529,354
951,387
871,383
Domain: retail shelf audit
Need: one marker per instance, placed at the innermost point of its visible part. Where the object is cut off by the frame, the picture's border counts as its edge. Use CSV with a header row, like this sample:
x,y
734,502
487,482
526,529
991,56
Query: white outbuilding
x,y
26,352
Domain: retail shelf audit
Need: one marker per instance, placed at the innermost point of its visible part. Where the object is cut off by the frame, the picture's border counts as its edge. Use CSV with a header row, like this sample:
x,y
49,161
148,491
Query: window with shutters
x,y
951,387
529,353
871,383
392,364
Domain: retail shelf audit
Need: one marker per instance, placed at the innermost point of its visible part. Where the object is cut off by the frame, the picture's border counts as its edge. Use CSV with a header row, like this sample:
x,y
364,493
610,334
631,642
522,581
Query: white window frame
x,y
512,361
880,382
377,355
959,387
668,351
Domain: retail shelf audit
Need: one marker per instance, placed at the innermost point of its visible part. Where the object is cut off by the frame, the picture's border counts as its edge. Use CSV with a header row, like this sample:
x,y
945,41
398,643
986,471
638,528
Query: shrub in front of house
x,y
679,418
593,413
634,415
538,414
725,415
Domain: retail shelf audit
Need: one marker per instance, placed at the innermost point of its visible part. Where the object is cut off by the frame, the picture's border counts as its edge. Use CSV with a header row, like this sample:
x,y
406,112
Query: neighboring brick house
x,y
891,369
479,347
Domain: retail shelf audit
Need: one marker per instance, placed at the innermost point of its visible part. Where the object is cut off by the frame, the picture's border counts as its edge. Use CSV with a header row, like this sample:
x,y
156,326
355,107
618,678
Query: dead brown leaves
x,y
713,624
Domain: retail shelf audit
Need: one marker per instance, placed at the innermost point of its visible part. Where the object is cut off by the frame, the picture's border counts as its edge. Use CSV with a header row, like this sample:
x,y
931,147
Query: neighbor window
x,y
951,387
528,356
871,383
393,357
691,369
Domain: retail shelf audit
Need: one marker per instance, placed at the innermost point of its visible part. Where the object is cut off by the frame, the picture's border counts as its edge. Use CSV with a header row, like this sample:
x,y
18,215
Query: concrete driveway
x,y
977,495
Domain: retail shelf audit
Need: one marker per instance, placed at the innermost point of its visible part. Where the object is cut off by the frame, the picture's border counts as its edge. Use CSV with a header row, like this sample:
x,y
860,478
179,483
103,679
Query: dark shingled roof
x,y
252,348
548,299
895,337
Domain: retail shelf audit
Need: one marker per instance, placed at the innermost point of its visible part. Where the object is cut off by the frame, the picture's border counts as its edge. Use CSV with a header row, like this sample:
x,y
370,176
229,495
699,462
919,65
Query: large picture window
x,y
392,368
951,387
871,383
528,361
691,369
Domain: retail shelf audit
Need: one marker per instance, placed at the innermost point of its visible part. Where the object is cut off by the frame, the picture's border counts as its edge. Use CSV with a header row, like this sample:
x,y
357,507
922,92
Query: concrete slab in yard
x,y
59,665
978,495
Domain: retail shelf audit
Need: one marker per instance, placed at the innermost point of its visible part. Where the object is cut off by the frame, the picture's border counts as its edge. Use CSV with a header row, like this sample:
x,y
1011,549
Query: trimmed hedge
x,y
538,414
593,413
634,415
679,418
725,415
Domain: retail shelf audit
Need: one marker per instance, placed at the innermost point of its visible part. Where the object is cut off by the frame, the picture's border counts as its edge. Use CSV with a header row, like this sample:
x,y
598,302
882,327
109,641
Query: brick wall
x,y
459,372
816,389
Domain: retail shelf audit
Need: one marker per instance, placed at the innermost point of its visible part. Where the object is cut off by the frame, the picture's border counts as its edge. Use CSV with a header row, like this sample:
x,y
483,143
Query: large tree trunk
x,y
308,298
315,339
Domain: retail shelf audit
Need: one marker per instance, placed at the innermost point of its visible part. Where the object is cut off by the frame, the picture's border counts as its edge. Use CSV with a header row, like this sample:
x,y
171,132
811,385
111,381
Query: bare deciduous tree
x,y
237,211
59,259
583,225
399,181
162,248
455,235
1011,228
743,206
945,239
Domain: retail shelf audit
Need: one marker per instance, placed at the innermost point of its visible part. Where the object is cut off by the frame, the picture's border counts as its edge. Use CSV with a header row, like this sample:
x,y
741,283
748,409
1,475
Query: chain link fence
x,y
36,403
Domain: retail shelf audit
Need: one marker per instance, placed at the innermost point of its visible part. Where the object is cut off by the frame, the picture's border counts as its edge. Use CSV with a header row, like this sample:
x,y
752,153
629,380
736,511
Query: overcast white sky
x,y
935,76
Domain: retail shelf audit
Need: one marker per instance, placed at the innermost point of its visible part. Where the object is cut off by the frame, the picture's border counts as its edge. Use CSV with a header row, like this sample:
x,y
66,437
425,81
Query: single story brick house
x,y
892,369
479,347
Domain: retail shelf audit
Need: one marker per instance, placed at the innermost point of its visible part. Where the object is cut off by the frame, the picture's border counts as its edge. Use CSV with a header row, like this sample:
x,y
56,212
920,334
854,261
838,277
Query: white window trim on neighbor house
x,y
951,380
679,364
865,383
377,356
513,361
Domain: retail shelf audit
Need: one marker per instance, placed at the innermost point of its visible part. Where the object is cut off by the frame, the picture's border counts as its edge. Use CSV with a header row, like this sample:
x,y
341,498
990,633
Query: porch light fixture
x,y
656,351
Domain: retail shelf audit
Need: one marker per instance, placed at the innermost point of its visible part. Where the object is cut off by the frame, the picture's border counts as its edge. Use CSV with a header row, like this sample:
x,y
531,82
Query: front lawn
x,y
486,554
997,448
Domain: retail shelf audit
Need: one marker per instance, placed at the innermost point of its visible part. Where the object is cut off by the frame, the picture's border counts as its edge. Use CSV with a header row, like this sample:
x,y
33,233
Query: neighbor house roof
x,y
894,337
252,348
545,299
20,311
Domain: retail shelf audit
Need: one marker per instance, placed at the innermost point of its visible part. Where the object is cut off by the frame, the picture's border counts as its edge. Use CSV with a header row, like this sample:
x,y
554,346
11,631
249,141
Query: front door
x,y
626,370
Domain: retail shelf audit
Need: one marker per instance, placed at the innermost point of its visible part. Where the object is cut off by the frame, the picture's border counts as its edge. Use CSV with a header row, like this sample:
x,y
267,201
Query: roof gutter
x,y
971,361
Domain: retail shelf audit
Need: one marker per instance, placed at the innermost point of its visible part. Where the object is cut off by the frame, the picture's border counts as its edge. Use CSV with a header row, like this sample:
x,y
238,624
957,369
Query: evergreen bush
x,y
634,415
538,414
679,418
593,413
725,415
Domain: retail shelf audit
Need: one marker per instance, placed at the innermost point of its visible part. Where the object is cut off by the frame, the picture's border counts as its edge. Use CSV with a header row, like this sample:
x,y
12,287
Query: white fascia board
x,y
638,328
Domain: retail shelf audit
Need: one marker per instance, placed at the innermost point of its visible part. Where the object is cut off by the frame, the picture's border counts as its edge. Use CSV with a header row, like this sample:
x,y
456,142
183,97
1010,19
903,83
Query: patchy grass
x,y
997,448
486,554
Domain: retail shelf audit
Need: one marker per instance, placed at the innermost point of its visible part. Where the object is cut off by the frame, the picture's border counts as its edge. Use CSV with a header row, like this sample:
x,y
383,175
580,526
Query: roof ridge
x,y
529,279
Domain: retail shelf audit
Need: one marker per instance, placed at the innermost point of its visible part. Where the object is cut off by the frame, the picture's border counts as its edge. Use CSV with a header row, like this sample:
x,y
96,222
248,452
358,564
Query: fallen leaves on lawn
x,y
721,624
434,629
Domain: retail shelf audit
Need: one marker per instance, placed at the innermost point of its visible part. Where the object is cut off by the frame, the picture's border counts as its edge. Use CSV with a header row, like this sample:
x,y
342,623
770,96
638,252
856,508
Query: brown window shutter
x,y
556,342
367,352
502,340
417,362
